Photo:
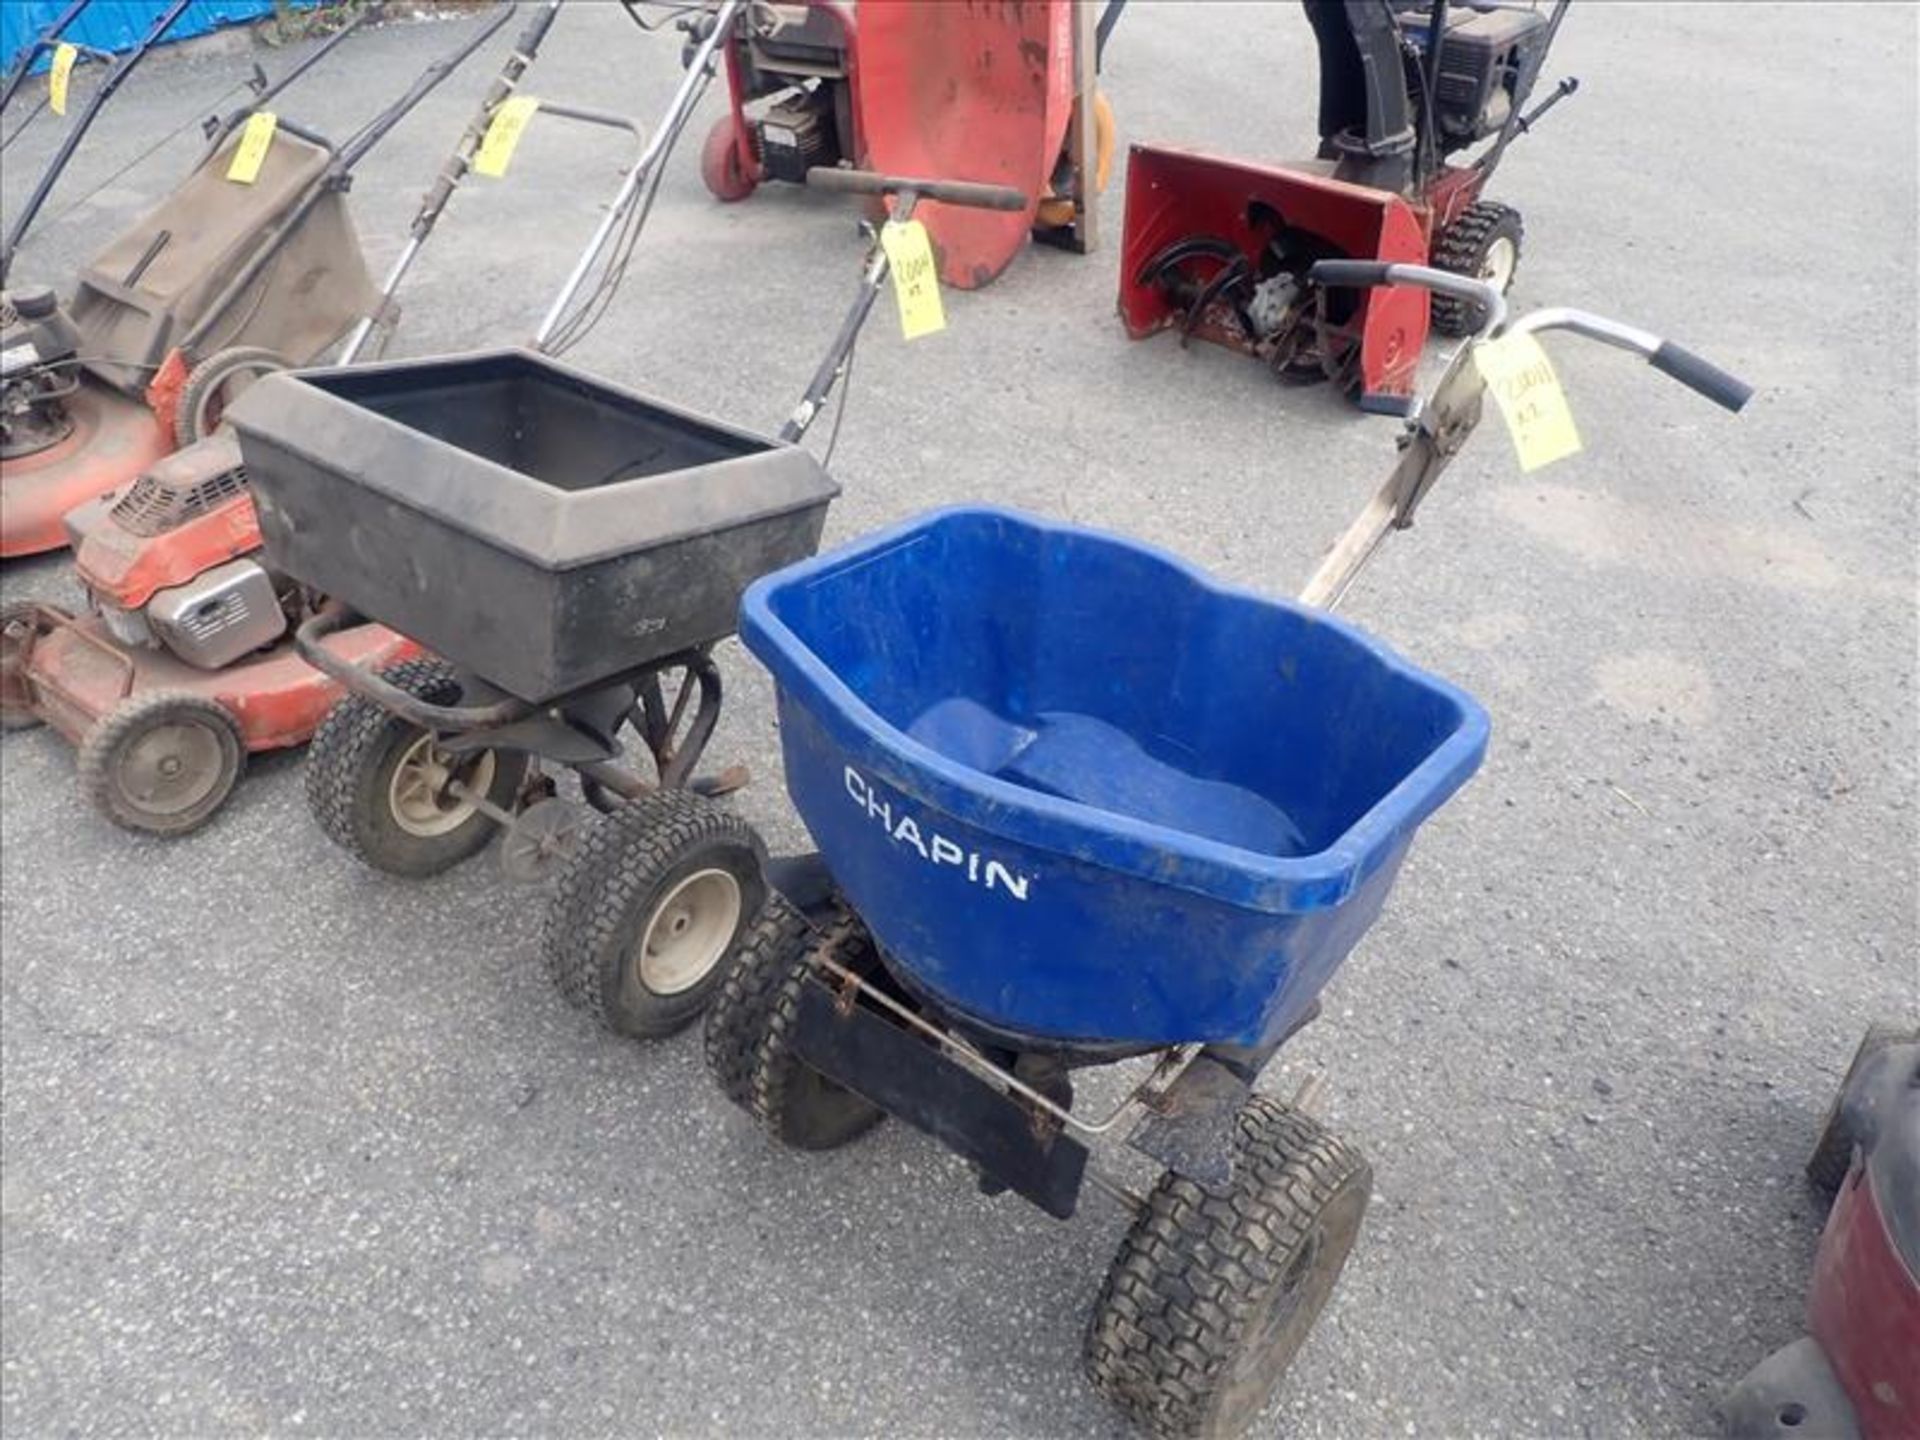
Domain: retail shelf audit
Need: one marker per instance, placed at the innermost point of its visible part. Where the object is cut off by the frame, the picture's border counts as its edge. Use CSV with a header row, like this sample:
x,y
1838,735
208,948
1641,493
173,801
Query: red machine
x,y
1221,249
184,663
229,277
1857,1371
976,92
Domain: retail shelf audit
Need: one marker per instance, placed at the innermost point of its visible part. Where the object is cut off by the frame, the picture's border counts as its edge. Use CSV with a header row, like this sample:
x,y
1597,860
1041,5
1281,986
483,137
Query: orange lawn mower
x,y
184,663
251,264
977,92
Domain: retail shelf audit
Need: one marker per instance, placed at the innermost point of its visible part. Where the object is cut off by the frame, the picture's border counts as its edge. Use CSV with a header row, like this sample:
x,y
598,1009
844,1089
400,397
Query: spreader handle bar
x,y
1701,376
950,192
1360,274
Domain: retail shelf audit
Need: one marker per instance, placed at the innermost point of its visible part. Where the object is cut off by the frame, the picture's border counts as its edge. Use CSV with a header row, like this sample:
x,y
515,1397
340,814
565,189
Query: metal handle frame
x,y
1448,417
692,83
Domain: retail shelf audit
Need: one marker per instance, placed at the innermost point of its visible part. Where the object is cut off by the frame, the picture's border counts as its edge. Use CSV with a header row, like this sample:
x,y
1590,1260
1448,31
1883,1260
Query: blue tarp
x,y
118,24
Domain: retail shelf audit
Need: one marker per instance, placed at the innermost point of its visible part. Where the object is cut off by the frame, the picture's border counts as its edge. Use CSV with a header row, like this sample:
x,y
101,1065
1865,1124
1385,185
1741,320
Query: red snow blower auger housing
x,y
1221,249
976,92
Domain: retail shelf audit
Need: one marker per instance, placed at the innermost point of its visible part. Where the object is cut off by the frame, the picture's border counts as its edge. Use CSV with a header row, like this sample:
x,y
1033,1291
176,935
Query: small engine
x,y
1489,60
222,614
797,134
39,369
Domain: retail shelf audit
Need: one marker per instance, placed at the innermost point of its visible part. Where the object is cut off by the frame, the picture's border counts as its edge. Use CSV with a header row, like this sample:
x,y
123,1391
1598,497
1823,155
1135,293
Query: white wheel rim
x,y
688,932
418,794
1497,269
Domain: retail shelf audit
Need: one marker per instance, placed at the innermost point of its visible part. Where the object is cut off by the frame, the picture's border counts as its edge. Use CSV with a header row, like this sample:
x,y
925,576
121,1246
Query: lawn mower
x,y
1857,1370
184,663
1077,803
1223,250
976,92
237,271
118,68
572,551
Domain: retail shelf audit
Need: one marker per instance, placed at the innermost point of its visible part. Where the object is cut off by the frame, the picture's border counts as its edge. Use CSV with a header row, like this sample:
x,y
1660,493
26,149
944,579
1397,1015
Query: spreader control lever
x,y
951,192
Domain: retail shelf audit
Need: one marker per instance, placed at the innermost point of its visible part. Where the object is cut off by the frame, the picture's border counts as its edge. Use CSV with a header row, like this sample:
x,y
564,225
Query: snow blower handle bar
x,y
949,192
1701,376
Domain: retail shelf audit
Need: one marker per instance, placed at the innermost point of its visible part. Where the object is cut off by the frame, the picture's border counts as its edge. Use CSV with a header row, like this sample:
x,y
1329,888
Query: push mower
x,y
185,663
118,68
1223,250
812,86
1076,803
572,551
229,276
1856,1373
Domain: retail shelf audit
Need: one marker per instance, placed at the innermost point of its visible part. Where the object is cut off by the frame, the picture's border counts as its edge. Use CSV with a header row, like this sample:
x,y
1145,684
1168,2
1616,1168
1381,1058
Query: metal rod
x,y
1516,124
454,171
45,41
219,130
965,1055
678,108
115,77
376,129
1129,1199
334,176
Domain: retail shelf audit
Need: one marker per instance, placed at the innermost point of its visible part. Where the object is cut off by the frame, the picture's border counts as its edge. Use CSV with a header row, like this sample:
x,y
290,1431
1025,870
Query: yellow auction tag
x,y
916,280
63,57
251,153
510,118
1521,378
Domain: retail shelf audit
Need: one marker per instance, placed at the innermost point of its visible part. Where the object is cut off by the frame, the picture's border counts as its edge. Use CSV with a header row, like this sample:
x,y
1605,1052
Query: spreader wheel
x,y
737,1019
1484,244
645,915
22,624
1216,1286
215,383
385,790
796,1103
162,763
726,171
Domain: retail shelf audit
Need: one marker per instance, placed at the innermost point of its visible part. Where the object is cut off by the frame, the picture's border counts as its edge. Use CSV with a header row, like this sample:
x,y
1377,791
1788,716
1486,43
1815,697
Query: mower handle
x,y
1361,274
950,192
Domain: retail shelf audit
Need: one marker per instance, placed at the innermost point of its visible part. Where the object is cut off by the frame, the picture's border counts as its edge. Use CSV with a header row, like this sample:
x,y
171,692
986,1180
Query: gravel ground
x,y
292,1147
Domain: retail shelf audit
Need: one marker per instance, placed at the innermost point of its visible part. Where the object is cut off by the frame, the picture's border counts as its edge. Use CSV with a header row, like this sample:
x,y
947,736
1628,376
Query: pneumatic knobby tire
x,y
350,770
737,1019
1462,249
610,937
1216,1287
795,1103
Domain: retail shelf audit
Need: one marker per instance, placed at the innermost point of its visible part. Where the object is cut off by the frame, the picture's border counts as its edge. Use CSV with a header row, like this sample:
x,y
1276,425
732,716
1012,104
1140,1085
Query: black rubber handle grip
x,y
951,192
1358,274
1702,376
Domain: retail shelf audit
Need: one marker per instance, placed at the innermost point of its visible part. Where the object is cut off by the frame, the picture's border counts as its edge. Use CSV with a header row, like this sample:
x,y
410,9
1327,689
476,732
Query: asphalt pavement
x,y
291,1147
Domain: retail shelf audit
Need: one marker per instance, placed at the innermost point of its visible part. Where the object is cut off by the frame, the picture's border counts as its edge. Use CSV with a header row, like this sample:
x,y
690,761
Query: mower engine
x,y
170,563
39,370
